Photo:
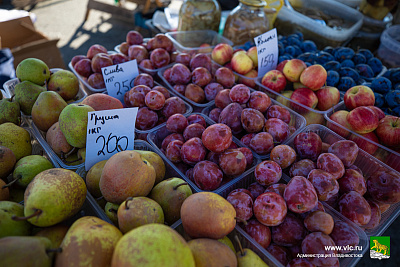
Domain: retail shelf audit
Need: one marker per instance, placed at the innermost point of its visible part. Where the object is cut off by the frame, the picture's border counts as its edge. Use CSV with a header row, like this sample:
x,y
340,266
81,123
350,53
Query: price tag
x,y
119,78
109,132
267,51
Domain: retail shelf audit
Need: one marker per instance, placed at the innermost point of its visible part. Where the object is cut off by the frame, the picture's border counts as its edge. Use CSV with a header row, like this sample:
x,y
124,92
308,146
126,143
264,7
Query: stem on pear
x,y
240,245
176,187
36,213
126,202
12,182
241,220
64,156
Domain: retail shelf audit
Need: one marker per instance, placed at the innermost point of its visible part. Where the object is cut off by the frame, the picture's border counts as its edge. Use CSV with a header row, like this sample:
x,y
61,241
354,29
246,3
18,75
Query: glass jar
x,y
199,15
377,9
246,21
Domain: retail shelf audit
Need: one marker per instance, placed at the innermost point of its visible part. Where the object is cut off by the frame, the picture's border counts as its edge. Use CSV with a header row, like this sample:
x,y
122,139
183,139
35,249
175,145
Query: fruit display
x,y
358,119
287,218
259,122
346,177
205,153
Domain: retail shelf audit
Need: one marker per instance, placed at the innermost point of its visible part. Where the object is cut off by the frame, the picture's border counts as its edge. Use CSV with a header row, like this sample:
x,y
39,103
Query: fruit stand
x,y
188,148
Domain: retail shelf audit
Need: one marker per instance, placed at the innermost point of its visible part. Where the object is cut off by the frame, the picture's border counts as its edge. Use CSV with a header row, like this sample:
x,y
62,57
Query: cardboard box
x,y
25,41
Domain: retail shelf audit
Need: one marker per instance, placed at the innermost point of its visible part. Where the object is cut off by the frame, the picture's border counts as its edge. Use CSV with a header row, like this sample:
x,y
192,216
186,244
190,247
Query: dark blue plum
x,y
366,53
347,63
395,76
307,57
323,57
300,36
388,74
281,48
328,49
376,65
396,111
293,39
365,71
381,85
332,78
393,98
290,50
396,86
309,46
344,53
282,58
387,111
359,58
345,83
297,50
379,100
349,72
332,65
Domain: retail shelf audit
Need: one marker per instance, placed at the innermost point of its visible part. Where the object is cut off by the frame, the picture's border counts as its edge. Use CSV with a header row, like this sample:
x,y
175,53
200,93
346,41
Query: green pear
x,y
26,94
4,191
225,240
210,252
7,161
47,109
138,246
16,138
33,70
28,167
53,196
25,251
93,178
111,210
10,111
10,227
65,83
155,161
81,154
89,241
56,139
138,211
54,233
248,258
170,194
73,123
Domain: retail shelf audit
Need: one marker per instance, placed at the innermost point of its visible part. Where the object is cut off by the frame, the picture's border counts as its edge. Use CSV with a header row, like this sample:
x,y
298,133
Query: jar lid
x,y
256,3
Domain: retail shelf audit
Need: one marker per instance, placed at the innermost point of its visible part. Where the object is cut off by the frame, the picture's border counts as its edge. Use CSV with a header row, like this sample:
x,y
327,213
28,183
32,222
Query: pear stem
x,y
126,202
12,97
241,220
240,245
57,250
12,182
36,213
64,156
176,187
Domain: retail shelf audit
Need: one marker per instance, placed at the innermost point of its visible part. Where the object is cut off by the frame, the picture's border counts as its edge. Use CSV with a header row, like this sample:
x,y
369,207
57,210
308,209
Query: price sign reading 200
x,y
112,143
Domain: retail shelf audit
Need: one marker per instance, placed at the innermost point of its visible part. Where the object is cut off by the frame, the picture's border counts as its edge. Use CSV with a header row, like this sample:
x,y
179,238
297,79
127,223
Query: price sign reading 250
x,y
109,132
119,78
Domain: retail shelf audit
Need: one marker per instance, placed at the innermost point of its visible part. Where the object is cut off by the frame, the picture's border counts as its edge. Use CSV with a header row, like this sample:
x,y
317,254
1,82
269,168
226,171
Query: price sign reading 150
x,y
119,78
267,51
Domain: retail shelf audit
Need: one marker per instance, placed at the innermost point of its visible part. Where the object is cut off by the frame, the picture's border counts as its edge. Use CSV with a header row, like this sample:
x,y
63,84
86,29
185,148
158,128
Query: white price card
x,y
267,51
109,132
119,78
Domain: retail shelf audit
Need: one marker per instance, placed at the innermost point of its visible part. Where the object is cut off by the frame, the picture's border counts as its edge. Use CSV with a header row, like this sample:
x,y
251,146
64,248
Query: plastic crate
x,y
312,116
190,41
364,240
170,172
383,153
368,165
4,94
245,240
156,137
296,120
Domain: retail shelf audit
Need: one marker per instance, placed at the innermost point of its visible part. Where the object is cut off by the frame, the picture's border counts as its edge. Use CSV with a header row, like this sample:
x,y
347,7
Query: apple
x,y
284,97
241,62
293,69
222,53
313,117
388,131
340,117
357,96
281,65
298,85
314,77
205,48
252,53
249,82
366,145
379,112
274,80
363,120
304,96
328,96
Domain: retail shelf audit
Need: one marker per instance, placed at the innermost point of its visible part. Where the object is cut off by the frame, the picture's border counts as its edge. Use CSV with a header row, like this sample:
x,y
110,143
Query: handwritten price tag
x,y
267,51
119,78
109,132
